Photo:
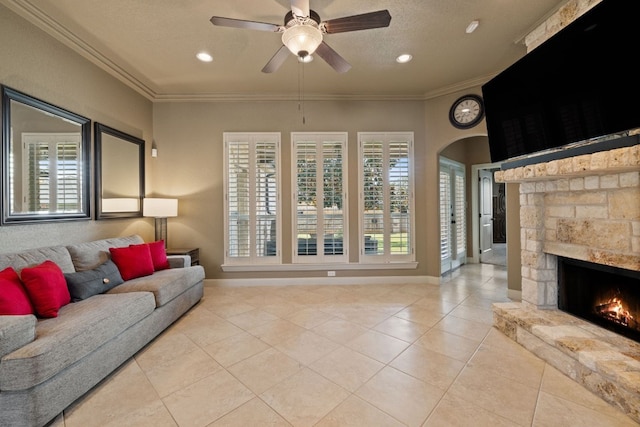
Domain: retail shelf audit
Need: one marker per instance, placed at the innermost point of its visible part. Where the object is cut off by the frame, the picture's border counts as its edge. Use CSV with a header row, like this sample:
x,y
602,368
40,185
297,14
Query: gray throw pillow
x,y
87,283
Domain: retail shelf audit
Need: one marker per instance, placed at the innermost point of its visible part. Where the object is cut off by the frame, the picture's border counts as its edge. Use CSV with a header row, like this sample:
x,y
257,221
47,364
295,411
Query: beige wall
x,y
188,136
34,63
190,164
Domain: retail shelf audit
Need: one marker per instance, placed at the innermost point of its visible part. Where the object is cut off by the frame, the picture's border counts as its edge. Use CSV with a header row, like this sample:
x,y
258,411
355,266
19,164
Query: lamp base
x,y
161,230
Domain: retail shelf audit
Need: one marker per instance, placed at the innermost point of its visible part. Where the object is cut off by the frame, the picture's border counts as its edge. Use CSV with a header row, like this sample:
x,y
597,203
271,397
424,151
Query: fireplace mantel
x,y
619,160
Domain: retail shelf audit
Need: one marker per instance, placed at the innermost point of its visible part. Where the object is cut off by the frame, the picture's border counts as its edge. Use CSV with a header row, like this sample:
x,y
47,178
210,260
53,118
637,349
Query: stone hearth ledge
x,y
604,362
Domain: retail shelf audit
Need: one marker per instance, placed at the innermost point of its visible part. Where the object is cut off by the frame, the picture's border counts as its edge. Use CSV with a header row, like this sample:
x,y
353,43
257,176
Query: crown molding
x,y
468,84
239,97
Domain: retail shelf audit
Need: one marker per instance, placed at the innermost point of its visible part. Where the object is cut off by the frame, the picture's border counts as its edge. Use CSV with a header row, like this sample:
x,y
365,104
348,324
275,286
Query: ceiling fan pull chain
x,y
304,120
301,90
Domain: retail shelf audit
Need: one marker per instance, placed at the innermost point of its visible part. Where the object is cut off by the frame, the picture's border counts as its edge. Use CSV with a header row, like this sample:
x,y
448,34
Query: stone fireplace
x,y
584,208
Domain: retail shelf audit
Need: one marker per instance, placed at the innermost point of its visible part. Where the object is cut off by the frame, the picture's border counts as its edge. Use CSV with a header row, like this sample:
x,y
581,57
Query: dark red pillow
x,y
159,255
133,261
47,288
13,296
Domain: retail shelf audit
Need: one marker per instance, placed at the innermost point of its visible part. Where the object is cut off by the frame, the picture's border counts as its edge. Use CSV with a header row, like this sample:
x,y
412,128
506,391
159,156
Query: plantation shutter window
x,y
320,223
386,197
453,215
252,198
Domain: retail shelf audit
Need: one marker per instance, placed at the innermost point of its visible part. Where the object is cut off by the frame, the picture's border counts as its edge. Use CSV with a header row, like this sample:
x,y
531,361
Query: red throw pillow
x,y
13,296
133,261
159,255
47,288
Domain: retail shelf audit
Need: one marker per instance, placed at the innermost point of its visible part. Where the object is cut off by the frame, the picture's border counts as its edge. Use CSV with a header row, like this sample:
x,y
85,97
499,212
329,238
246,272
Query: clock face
x,y
466,112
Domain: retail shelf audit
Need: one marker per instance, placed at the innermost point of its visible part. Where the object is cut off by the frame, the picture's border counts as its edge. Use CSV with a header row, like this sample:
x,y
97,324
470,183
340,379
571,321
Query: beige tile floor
x,y
374,355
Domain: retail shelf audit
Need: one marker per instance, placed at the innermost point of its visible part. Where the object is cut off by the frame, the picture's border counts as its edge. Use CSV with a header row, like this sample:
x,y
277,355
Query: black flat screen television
x,y
580,85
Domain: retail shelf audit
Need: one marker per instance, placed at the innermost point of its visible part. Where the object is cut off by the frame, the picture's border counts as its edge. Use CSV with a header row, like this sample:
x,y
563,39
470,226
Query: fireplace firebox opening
x,y
604,295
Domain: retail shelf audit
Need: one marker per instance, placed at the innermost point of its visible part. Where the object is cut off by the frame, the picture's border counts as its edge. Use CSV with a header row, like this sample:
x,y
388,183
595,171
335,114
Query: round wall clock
x,y
466,112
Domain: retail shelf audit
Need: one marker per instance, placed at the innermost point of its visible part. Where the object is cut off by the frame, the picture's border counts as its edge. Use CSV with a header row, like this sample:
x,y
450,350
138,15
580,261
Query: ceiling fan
x,y
303,30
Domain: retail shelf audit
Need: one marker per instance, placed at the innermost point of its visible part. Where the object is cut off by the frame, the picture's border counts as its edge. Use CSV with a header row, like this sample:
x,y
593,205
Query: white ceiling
x,y
151,45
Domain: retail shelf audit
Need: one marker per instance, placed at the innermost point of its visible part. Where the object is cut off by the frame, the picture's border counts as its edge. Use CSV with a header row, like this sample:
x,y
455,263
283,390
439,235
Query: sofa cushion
x,y
29,258
80,329
89,255
16,331
85,284
165,284
46,287
133,261
159,255
14,299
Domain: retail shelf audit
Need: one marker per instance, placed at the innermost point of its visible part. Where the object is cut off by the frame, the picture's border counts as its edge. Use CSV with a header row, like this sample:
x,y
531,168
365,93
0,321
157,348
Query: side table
x,y
194,253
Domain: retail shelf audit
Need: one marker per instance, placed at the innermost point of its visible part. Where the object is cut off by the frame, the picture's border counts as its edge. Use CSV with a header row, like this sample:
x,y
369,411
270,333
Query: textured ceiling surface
x,y
151,45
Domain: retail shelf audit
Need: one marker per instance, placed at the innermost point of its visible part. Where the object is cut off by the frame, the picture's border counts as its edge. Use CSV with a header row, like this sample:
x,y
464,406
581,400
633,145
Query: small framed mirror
x,y
45,161
119,177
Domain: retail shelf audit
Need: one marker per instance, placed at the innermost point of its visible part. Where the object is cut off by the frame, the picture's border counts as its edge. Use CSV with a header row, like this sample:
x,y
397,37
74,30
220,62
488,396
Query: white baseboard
x,y
302,281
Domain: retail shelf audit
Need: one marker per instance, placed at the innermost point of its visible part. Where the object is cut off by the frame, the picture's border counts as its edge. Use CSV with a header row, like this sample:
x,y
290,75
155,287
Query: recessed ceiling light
x,y
204,57
472,26
404,58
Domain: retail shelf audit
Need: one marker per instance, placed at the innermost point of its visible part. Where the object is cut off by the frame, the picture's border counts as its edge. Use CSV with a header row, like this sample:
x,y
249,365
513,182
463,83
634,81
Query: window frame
x,y
365,257
251,139
319,138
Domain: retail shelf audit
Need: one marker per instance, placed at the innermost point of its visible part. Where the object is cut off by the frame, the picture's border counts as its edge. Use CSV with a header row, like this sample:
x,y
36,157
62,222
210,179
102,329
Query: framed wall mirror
x,y
119,173
45,161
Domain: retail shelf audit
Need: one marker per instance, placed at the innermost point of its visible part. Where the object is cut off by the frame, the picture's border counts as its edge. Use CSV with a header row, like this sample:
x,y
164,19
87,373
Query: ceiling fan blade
x,y
366,21
300,7
332,58
240,23
277,60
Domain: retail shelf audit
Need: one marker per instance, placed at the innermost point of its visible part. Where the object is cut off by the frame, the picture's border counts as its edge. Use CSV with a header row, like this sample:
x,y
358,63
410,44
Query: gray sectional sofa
x,y
46,364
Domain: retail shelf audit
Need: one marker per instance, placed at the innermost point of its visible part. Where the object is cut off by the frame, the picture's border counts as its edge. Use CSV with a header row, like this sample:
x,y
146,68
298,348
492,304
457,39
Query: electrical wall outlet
x,y
331,273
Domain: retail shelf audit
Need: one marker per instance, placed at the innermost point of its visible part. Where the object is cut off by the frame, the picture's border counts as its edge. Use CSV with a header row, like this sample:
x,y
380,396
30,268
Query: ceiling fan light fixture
x,y
305,59
302,40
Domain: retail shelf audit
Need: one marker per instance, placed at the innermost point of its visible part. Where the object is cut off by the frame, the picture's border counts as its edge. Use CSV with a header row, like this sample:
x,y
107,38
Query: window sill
x,y
319,267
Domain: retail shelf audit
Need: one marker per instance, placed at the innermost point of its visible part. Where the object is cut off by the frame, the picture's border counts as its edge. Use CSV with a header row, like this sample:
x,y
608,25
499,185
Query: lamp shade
x,y
160,208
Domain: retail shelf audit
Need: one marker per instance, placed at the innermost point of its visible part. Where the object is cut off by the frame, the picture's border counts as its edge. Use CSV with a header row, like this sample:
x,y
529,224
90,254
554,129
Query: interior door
x,y
485,178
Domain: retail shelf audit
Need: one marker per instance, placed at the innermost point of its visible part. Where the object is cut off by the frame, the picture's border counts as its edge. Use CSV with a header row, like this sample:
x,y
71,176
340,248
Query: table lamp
x,y
160,209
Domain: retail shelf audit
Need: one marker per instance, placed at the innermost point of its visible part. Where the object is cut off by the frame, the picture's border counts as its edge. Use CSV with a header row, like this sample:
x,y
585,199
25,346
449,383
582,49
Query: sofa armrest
x,y
179,261
15,332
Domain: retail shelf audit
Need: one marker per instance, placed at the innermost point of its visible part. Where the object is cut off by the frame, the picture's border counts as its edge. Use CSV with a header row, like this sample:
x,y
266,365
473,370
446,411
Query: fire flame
x,y
615,311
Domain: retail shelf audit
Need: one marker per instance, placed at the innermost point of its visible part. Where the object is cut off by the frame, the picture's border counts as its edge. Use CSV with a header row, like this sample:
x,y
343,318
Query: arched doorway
x,y
473,154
